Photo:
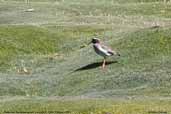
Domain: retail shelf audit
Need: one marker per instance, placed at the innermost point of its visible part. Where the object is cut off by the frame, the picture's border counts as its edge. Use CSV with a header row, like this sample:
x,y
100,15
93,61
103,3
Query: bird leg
x,y
104,62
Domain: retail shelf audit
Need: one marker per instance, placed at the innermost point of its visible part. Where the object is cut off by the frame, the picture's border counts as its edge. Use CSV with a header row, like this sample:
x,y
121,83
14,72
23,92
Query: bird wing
x,y
100,50
108,49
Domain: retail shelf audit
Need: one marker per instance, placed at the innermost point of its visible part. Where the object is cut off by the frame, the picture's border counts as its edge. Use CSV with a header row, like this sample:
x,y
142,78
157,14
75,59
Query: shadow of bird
x,y
94,65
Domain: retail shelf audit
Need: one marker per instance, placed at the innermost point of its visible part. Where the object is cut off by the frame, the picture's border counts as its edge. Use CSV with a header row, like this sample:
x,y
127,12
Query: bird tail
x,y
110,52
114,53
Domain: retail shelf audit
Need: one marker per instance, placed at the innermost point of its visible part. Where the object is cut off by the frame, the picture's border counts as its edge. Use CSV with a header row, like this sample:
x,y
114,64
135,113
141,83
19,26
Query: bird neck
x,y
97,43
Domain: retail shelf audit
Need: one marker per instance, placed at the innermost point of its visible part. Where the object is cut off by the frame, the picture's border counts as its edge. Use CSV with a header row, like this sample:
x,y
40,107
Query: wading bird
x,y
103,50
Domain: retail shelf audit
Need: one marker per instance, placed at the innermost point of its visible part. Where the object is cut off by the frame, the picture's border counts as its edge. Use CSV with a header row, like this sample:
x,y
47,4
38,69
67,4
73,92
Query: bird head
x,y
95,40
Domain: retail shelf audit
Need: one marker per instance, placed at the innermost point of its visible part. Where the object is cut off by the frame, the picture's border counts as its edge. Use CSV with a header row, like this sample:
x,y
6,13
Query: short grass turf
x,y
52,42
85,106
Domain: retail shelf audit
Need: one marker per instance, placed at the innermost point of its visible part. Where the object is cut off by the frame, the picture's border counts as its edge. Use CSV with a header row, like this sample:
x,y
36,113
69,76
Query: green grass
x,y
18,41
25,40
52,43
144,65
86,106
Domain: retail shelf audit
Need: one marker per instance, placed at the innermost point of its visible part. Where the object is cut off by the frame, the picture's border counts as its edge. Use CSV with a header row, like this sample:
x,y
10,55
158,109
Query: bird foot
x,y
103,67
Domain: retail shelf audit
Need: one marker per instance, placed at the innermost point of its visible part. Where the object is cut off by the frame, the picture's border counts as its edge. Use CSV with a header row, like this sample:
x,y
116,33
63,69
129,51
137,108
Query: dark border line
x,y
157,112
31,112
